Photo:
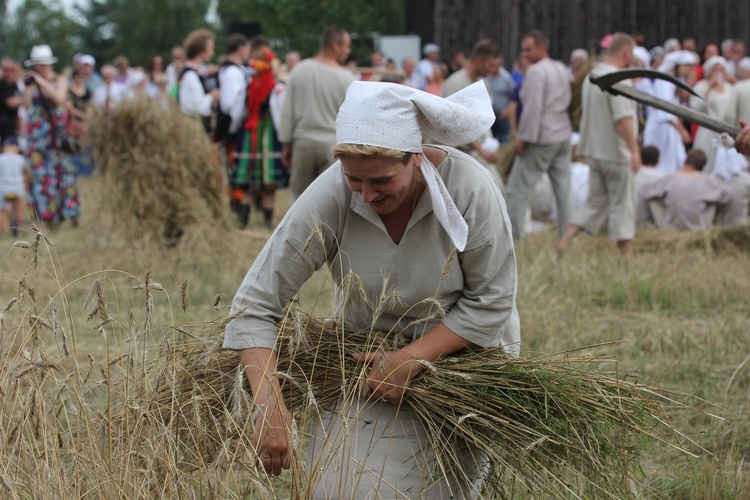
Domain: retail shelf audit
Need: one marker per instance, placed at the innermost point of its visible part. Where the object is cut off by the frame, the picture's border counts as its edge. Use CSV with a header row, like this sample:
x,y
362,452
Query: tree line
x,y
139,29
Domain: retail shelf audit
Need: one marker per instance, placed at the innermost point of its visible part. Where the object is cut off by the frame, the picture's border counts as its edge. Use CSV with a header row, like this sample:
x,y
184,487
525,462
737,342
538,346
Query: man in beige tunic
x,y
543,140
609,127
689,197
484,53
313,96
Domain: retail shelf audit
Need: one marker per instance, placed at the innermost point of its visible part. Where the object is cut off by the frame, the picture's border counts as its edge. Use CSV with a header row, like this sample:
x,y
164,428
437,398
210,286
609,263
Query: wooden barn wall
x,y
570,24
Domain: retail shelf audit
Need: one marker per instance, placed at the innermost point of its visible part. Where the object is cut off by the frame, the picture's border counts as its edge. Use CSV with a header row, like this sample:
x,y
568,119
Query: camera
x,y
29,80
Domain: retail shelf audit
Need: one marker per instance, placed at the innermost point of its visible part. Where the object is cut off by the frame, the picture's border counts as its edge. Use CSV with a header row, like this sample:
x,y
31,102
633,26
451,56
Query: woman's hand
x,y
716,82
390,373
272,437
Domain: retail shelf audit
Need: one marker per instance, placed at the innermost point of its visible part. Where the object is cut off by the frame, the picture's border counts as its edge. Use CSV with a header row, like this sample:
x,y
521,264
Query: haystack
x,y
160,179
557,426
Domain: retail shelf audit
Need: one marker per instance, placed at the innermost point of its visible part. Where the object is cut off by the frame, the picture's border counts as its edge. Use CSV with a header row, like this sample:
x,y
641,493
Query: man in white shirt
x,y
233,85
410,76
174,69
194,98
425,71
110,93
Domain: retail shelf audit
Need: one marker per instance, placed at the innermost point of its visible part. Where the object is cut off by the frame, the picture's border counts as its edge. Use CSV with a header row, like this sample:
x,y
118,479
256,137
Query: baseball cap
x,y
430,48
87,59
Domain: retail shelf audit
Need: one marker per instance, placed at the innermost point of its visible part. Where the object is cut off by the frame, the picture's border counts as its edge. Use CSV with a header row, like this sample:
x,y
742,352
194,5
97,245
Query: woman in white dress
x,y
664,130
716,93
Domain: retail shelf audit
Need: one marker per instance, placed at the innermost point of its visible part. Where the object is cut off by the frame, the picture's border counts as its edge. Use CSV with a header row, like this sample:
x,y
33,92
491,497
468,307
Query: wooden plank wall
x,y
570,24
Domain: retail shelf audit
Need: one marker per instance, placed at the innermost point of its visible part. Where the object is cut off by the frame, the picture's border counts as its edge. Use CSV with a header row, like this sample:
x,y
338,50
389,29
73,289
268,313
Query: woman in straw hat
x,y
53,194
413,226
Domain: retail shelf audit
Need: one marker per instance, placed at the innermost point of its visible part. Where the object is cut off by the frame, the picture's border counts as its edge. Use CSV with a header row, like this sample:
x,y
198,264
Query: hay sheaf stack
x,y
160,178
555,425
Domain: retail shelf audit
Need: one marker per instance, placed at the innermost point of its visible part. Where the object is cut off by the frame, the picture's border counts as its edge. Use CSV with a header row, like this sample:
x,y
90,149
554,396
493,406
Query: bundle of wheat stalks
x,y
554,425
160,176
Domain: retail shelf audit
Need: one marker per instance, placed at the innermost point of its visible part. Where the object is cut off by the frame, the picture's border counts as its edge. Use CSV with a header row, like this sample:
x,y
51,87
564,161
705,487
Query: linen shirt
x,y
738,208
738,107
194,100
314,94
425,70
689,202
115,91
457,81
233,85
601,112
330,224
545,96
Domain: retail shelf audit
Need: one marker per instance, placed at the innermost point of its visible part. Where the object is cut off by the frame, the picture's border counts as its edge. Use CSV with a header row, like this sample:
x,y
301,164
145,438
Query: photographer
x,y
53,194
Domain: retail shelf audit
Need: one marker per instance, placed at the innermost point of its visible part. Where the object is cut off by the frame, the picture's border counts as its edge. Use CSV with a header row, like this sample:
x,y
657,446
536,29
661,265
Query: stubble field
x,y
84,314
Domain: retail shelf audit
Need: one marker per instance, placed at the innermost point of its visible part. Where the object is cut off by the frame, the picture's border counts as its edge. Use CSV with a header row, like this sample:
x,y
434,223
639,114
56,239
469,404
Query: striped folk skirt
x,y
256,166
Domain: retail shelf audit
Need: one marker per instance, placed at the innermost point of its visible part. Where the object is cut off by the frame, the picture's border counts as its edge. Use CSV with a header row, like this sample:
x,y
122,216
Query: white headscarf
x,y
643,55
395,117
713,61
677,58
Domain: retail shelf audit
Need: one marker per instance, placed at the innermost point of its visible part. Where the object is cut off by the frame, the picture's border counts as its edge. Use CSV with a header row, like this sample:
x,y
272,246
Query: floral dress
x,y
53,196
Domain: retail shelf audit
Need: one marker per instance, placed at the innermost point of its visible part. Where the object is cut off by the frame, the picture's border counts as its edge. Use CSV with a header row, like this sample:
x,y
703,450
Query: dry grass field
x,y
85,316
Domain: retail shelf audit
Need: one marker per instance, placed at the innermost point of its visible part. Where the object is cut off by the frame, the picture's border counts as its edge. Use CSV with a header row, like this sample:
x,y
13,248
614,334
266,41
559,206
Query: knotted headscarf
x,y
394,116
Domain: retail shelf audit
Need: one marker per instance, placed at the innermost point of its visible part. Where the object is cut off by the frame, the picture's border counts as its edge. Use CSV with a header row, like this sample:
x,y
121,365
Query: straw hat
x,y
41,54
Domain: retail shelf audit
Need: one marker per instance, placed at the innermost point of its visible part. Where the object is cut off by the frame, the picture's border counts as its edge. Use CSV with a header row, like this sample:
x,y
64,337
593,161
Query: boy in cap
x,y
425,72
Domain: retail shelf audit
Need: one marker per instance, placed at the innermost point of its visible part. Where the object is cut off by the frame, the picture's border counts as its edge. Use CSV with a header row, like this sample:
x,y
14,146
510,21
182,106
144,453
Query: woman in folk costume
x,y
426,222
716,93
257,168
664,130
53,194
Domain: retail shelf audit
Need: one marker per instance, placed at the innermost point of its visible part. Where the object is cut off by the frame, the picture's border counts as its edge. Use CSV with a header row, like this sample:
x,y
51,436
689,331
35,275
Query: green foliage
x,y
36,22
3,17
297,24
138,29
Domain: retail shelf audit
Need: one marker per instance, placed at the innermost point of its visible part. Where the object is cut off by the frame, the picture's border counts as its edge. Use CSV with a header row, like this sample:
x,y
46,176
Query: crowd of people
x,y
275,128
